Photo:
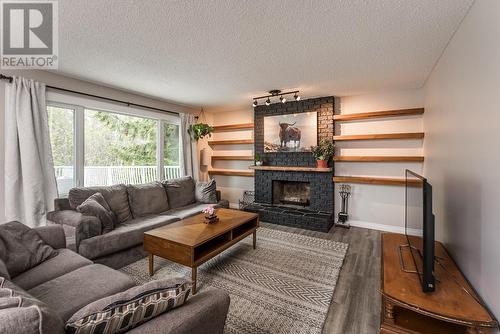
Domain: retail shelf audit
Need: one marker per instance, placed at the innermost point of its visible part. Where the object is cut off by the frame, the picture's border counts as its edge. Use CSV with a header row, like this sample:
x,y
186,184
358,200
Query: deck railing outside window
x,y
109,175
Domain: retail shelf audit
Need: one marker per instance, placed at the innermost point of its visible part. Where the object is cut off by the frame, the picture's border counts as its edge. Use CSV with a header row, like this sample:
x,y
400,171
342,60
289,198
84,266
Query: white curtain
x,y
189,161
30,184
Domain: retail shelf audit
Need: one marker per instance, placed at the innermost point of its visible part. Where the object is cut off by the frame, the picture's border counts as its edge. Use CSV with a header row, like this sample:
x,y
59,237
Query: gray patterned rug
x,y
284,286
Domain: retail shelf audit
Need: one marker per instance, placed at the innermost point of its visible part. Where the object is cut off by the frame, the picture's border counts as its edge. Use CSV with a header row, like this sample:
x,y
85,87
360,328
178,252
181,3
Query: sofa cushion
x,y
188,210
180,192
68,293
21,248
126,235
61,264
206,192
146,199
97,206
4,272
30,313
116,196
129,309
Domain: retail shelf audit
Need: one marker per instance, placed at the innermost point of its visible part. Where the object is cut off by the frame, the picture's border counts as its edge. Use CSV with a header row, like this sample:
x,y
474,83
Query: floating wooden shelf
x,y
244,126
229,172
232,157
346,158
231,142
378,114
409,135
373,180
292,169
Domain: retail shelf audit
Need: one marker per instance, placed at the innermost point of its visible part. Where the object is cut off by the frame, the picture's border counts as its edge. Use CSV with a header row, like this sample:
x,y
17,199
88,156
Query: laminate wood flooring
x,y
355,306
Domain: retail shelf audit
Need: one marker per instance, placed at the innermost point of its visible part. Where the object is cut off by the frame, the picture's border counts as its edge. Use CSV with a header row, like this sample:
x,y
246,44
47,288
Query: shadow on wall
x,y
461,223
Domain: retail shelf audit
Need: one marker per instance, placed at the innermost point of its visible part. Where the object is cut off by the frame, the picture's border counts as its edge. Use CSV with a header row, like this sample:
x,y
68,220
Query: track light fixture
x,y
273,93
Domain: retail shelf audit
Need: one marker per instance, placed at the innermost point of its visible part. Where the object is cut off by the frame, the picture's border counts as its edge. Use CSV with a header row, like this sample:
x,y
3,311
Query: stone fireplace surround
x,y
319,216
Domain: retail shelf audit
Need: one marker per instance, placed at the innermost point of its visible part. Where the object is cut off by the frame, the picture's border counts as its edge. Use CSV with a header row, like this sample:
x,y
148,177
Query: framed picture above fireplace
x,y
291,132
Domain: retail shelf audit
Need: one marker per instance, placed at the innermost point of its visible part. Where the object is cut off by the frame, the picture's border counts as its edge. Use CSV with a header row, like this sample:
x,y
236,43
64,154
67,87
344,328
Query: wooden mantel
x,y
292,169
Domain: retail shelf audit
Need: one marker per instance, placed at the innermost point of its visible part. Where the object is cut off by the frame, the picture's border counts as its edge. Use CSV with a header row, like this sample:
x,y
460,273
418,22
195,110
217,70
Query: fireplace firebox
x,y
291,193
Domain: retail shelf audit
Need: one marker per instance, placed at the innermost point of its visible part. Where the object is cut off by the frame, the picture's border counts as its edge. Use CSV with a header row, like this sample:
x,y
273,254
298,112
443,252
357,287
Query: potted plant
x,y
200,130
323,152
258,160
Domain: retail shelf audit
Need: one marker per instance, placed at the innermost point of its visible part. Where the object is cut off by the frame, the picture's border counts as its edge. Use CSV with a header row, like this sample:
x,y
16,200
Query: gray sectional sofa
x,y
138,208
62,285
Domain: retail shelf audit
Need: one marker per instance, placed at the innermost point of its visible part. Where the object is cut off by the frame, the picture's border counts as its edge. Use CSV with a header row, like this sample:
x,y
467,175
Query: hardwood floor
x,y
355,307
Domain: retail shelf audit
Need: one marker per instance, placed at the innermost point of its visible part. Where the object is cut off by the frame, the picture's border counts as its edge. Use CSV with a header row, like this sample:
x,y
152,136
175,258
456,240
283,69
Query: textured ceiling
x,y
220,53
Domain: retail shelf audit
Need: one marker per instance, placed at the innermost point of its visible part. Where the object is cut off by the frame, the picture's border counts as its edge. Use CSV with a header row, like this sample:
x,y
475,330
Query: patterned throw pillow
x,y
126,310
206,192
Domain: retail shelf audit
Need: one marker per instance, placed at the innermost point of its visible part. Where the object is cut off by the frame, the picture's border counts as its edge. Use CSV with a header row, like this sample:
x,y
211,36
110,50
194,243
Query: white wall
x,y
462,124
378,206
53,79
232,187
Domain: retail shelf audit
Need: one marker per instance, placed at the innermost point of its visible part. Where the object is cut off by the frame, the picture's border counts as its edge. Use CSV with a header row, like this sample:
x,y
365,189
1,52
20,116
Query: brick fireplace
x,y
289,190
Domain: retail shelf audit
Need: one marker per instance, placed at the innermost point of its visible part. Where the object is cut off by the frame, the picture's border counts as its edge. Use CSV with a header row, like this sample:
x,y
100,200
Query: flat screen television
x,y
419,227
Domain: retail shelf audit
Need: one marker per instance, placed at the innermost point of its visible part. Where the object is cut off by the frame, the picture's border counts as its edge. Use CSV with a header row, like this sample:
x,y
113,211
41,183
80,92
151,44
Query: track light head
x,y
268,102
282,99
296,97
254,104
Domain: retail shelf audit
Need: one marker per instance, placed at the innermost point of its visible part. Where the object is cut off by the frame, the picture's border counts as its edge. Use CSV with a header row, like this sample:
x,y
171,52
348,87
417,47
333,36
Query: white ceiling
x,y
220,53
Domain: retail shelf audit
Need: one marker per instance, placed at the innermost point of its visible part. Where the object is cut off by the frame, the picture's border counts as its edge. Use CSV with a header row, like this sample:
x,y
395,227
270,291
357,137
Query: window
x,y
100,144
119,149
62,139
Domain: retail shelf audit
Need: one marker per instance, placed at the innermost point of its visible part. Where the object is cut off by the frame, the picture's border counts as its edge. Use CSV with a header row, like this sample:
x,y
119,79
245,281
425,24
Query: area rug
x,y
284,286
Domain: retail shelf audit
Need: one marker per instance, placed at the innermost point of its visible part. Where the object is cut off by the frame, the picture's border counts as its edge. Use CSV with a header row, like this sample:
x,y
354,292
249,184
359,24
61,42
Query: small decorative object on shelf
x,y
210,216
323,152
258,160
247,200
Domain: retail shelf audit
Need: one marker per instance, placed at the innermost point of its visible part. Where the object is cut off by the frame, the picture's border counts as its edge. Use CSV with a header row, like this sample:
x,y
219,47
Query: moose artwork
x,y
290,133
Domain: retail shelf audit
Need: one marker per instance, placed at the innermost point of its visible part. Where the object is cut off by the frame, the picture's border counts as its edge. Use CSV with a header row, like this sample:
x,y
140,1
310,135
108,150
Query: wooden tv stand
x,y
406,309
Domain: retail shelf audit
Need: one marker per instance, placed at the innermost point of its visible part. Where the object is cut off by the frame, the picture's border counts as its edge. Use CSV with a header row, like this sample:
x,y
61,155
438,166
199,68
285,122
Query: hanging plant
x,y
200,130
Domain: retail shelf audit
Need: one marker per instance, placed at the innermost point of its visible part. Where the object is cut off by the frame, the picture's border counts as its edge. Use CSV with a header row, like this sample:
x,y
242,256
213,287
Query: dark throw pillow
x,y
180,192
21,248
126,310
206,192
97,206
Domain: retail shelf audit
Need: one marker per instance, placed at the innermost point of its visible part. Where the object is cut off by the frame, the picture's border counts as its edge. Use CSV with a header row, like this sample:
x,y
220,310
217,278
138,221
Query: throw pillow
x,y
3,270
126,310
116,196
97,206
180,192
206,192
148,198
21,248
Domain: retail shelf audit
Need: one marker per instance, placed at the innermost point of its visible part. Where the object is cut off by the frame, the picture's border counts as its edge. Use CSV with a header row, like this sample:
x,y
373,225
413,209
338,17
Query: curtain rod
x,y
128,104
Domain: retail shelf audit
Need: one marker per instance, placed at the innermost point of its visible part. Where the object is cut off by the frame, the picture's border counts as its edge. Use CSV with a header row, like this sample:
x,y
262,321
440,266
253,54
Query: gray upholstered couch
x,y
138,208
67,282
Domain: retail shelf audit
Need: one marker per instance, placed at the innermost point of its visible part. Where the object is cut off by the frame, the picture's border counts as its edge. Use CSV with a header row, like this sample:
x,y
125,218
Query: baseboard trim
x,y
383,227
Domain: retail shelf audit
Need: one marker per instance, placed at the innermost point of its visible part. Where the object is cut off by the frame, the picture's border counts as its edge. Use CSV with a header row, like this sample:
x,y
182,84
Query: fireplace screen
x,y
291,193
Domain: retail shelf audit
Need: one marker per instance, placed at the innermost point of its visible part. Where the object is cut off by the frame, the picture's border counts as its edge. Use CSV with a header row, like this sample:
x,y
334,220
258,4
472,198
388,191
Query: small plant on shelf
x,y
258,160
200,130
323,152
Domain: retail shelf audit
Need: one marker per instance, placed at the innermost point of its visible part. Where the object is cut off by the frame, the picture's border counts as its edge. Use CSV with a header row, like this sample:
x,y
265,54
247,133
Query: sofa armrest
x,y
203,313
53,235
85,226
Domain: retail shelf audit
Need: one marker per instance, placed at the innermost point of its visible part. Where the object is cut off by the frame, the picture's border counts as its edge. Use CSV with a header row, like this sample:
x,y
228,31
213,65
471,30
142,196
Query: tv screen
x,y
419,227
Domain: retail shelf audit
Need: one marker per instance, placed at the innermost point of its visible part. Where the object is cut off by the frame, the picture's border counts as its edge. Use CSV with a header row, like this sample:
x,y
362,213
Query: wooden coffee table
x,y
192,242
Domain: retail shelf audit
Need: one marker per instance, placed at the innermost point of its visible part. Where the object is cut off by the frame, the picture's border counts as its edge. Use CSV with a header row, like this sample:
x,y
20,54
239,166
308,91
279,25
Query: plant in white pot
x,y
323,152
258,160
